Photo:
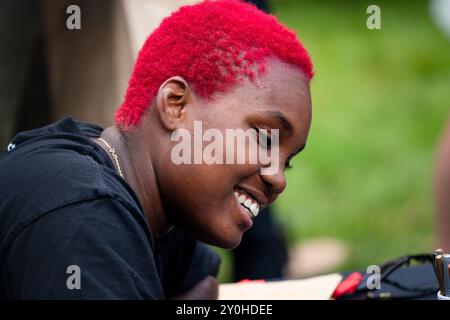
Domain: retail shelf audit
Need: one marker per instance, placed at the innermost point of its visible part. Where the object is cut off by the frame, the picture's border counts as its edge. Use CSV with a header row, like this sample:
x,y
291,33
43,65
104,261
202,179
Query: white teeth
x,y
248,203
253,208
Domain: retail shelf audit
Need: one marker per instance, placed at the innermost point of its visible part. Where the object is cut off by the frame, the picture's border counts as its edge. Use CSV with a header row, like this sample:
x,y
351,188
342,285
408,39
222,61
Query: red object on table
x,y
248,280
348,285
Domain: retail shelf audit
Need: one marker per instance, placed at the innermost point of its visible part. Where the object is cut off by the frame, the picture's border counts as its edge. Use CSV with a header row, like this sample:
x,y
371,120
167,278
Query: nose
x,y
276,183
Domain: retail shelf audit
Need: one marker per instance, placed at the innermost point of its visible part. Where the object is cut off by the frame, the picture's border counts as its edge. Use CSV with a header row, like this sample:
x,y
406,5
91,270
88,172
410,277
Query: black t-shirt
x,y
72,228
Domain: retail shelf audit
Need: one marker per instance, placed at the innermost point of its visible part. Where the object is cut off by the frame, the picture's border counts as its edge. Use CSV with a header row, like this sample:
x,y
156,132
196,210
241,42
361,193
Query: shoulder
x,y
111,250
49,176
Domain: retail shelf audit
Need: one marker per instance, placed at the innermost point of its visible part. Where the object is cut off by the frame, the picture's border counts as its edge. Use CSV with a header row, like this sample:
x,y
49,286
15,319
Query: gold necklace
x,y
114,155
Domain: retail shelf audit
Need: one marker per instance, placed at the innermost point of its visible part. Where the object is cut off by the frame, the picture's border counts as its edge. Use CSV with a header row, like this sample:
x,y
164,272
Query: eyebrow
x,y
280,117
300,149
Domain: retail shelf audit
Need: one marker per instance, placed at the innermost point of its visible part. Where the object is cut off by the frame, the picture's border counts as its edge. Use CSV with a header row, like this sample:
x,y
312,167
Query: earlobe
x,y
171,101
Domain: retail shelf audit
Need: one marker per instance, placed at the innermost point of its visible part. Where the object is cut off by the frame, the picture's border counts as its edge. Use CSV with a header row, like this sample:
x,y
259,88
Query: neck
x,y
138,170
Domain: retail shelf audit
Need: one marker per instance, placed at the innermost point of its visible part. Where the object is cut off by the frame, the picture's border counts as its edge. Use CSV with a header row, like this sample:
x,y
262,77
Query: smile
x,y
247,202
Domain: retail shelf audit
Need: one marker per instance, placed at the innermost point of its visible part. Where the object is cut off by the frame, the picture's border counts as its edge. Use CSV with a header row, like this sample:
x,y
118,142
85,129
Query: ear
x,y
171,100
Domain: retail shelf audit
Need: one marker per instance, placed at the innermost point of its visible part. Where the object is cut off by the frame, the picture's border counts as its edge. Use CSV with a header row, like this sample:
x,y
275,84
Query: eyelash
x,y
269,142
288,165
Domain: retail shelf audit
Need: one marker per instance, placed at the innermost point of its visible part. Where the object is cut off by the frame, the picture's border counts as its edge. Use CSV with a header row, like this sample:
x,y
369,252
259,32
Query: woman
x,y
93,213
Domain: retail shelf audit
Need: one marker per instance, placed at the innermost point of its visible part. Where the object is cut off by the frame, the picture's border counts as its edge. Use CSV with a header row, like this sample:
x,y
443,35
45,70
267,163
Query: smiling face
x,y
215,202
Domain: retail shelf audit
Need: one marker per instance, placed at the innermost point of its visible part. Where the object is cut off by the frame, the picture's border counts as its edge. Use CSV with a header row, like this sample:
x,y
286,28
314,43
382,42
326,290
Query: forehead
x,y
281,88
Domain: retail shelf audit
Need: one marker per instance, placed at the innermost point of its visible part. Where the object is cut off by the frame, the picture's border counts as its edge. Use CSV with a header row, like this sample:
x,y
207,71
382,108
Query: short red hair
x,y
212,45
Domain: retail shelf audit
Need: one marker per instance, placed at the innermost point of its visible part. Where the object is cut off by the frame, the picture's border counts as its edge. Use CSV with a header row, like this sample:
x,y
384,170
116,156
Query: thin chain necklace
x,y
114,155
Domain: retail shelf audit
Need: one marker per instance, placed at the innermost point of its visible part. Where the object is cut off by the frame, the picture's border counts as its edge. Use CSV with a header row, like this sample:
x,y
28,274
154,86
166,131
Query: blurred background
x,y
361,192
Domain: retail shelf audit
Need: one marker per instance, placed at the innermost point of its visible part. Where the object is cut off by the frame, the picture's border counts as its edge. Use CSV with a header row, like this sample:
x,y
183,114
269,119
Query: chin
x,y
224,241
231,242
223,233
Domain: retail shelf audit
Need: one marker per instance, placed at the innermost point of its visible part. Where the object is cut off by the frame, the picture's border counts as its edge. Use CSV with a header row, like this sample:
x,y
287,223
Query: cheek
x,y
201,201
193,188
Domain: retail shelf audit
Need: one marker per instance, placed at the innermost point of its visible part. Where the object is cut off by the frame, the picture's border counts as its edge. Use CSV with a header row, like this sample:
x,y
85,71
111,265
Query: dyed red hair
x,y
212,45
